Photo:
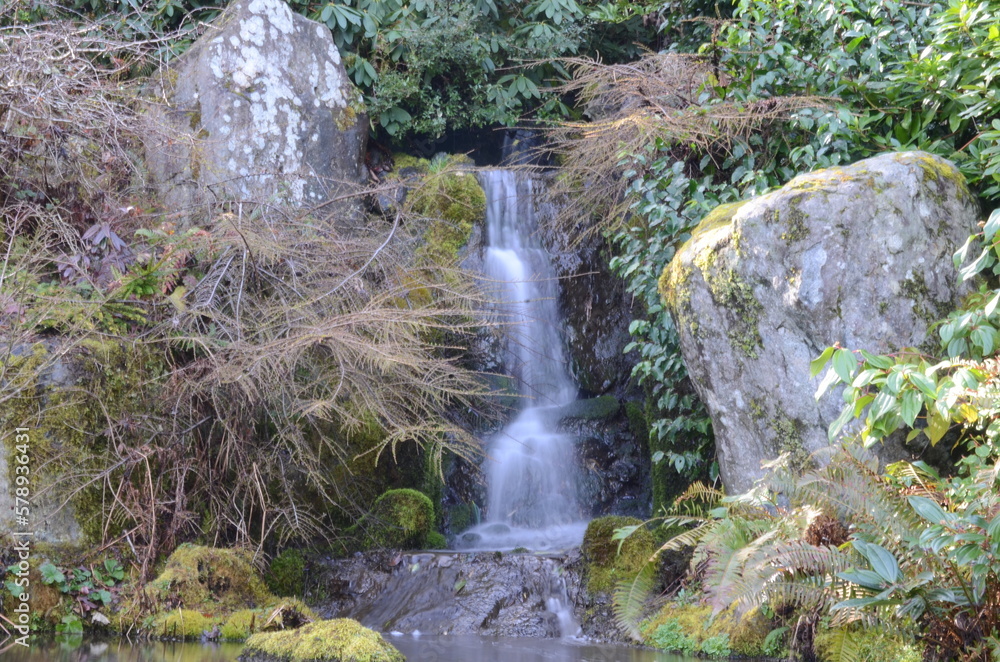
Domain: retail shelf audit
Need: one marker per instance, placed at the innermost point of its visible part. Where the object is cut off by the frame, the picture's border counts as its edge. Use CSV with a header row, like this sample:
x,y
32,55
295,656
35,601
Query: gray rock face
x,y
858,255
484,593
261,109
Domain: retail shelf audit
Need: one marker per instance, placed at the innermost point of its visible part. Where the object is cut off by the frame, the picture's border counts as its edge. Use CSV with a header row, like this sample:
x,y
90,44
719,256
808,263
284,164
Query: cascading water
x,y
531,473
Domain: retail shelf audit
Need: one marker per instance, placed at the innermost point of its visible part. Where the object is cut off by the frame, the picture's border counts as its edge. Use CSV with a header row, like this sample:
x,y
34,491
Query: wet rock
x,y
261,108
858,255
481,593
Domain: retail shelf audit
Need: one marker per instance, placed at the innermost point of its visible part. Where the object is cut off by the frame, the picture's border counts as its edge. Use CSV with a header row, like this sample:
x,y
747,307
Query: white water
x,y
531,473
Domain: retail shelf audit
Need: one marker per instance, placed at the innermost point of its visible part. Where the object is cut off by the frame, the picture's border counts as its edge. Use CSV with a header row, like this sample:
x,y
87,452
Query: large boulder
x,y
859,255
259,108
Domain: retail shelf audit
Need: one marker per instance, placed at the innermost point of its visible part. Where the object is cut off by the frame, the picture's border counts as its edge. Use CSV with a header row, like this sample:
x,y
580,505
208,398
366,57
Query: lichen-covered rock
x,y
336,640
858,255
261,109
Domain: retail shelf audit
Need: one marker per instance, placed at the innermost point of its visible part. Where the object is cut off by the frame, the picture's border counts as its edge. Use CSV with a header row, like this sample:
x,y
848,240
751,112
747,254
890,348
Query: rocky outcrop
x,y
260,109
858,256
486,593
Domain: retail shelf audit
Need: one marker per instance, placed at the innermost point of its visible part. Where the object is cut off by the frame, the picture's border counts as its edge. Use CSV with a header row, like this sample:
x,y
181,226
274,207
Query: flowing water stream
x,y
531,473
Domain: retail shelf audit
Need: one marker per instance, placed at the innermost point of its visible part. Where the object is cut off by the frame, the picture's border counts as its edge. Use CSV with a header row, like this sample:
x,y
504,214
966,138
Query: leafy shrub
x,y
671,637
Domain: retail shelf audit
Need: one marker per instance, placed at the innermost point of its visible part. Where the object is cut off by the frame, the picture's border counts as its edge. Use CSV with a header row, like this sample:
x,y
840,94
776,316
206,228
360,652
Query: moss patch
x,y
286,575
715,258
692,629
436,540
108,381
605,565
210,580
401,519
788,438
337,640
452,201
183,624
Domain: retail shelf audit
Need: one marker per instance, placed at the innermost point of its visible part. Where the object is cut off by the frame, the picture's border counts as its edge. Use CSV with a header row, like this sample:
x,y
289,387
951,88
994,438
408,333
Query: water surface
x,y
416,649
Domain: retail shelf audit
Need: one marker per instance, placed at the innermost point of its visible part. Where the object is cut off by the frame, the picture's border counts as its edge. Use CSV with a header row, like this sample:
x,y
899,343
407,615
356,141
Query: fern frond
x,y
630,599
843,647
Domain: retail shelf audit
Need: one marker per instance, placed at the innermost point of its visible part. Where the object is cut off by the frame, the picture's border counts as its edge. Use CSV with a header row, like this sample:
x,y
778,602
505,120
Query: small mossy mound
x,y
209,580
605,565
401,519
182,624
436,540
337,640
287,573
592,409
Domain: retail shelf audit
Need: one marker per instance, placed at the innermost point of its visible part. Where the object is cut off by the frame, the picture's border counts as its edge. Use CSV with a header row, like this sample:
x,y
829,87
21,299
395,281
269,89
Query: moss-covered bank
x,y
337,640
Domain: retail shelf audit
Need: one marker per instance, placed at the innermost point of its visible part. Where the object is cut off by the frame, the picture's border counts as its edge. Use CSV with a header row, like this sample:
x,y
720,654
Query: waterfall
x,y
530,469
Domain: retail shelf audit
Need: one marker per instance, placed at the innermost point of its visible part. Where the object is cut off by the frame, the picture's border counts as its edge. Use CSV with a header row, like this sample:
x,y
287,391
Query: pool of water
x,y
416,649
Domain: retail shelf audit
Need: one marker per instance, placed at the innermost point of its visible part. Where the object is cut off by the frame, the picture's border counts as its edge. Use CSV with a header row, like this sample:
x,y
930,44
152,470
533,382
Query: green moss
x,y
403,161
947,178
674,287
736,297
712,257
789,440
638,424
794,221
692,629
337,640
286,576
749,635
453,202
436,540
183,624
606,566
241,624
400,519
462,516
593,409
70,424
210,580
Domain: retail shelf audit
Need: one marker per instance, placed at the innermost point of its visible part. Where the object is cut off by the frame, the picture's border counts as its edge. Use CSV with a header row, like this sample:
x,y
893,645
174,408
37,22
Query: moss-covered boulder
x,y
605,565
401,519
451,200
203,589
859,255
207,577
337,640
